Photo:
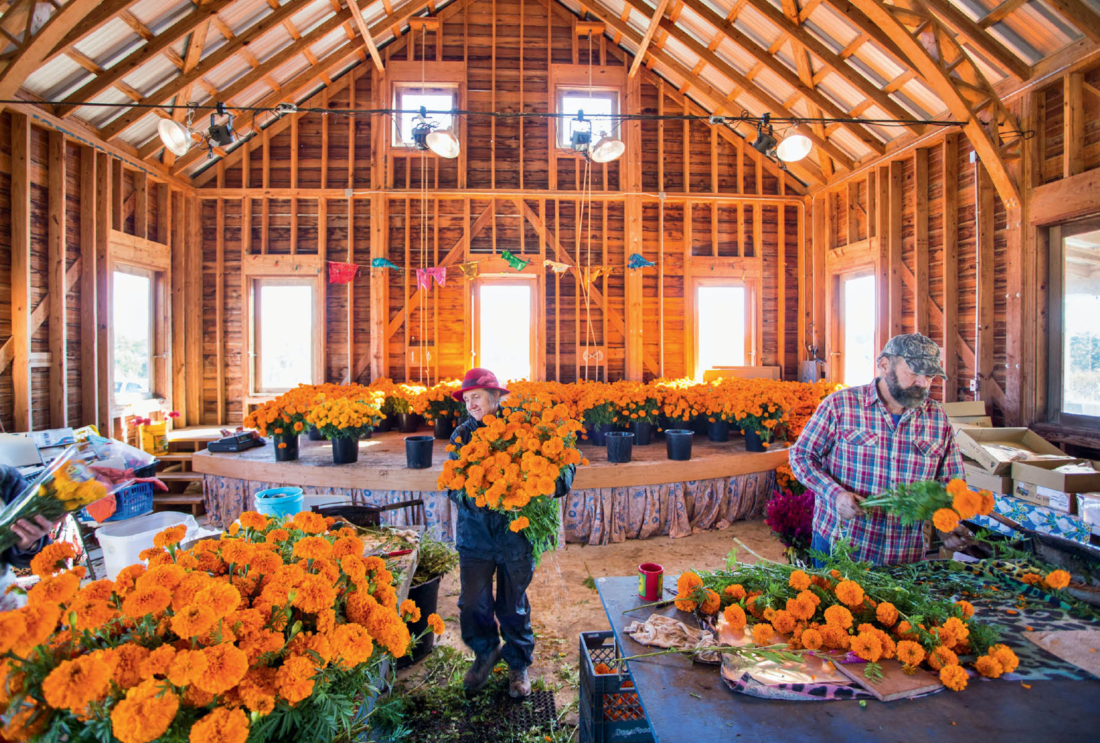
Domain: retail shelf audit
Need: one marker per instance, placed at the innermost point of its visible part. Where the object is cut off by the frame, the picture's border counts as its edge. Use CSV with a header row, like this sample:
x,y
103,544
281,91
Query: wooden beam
x,y
920,247
56,252
141,205
1073,125
1065,199
950,210
104,372
179,315
379,291
986,269
21,270
1083,17
368,39
219,308
978,37
89,390
103,14
894,215
651,29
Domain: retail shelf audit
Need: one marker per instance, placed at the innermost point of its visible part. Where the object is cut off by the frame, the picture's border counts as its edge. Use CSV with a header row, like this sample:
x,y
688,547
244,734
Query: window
x,y
505,339
599,107
413,98
283,340
133,333
720,326
1079,378
859,329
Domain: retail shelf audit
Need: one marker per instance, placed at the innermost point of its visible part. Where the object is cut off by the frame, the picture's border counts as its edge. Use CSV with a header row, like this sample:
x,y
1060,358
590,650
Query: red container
x,y
651,581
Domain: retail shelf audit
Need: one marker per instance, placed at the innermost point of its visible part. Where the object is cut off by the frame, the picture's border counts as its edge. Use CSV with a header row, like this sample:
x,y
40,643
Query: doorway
x,y
504,326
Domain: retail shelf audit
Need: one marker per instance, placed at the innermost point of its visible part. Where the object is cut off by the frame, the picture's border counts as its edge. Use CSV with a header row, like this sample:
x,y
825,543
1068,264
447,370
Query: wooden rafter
x,y
1002,11
163,41
979,38
95,20
1084,18
372,48
654,24
943,72
35,49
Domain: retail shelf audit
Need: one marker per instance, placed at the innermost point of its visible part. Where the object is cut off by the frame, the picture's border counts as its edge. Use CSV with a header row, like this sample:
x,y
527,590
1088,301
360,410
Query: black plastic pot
x,y
418,452
286,453
369,433
408,422
315,435
426,598
643,433
678,444
386,424
597,434
345,450
442,428
718,430
753,442
619,446
699,425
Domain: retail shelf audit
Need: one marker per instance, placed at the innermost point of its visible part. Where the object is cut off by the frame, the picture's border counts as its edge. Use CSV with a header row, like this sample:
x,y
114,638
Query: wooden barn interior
x,y
955,152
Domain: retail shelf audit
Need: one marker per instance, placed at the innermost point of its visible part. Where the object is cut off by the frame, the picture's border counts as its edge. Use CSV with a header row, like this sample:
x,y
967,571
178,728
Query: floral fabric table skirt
x,y
597,516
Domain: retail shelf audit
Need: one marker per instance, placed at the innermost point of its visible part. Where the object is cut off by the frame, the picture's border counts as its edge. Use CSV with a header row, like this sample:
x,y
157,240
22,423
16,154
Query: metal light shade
x,y
444,143
607,149
794,147
176,136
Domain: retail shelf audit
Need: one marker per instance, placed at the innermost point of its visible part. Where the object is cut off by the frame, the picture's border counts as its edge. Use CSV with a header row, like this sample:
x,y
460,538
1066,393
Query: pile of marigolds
x,y
849,610
281,625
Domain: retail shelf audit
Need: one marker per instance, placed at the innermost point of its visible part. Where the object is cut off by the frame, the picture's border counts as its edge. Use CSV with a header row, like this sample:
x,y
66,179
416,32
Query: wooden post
x,y
951,266
920,223
820,246
379,287
105,172
853,201
689,299
178,253
883,283
164,211
116,198
89,390
758,311
895,217
985,282
219,306
141,205
632,223
194,276
21,269
59,346
1073,124
781,212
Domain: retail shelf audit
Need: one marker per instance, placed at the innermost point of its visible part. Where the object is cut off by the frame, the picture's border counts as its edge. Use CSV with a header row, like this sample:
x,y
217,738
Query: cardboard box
x,y
1037,495
967,409
1043,473
980,444
1088,510
971,421
979,479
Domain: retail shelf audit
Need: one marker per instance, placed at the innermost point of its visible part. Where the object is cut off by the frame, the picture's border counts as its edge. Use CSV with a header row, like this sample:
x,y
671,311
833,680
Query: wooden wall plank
x,y
1073,124
105,213
21,269
920,226
89,388
950,154
56,251
894,237
986,269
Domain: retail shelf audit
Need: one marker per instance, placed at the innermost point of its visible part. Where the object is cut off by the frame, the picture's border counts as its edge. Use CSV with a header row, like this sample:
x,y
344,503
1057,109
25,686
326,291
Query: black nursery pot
x,y
699,425
442,428
718,430
753,442
408,422
288,453
418,452
597,434
366,434
642,431
426,597
678,444
315,434
386,424
619,446
345,450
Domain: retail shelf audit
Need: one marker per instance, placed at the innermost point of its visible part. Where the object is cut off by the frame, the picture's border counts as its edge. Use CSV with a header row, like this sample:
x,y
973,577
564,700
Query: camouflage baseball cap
x,y
920,351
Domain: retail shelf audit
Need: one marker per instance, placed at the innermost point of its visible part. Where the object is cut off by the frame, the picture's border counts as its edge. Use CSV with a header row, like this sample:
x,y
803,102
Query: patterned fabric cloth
x,y
1037,518
851,444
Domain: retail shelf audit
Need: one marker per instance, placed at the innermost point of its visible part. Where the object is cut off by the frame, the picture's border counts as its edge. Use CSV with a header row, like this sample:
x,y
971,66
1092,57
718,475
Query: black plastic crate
x,y
610,711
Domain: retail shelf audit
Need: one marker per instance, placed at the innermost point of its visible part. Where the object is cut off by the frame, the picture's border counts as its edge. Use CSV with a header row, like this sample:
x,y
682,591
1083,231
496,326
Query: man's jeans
x,y
820,544
479,613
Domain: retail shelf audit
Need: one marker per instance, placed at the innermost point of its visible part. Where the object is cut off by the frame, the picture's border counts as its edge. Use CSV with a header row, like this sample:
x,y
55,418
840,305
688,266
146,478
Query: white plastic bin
x,y
122,542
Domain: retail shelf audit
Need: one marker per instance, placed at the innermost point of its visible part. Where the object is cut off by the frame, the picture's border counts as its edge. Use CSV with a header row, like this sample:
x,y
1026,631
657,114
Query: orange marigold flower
x,y
989,666
799,581
957,628
783,622
222,598
353,643
519,524
945,519
409,611
867,646
309,522
987,502
762,633
226,665
195,620
735,590
314,594
735,616
222,725
75,683
153,600
887,614
171,535
294,679
910,653
1004,655
146,712
253,520
187,666
801,608
839,616
436,623
158,662
849,593
312,548
941,657
811,639
52,558
967,608
347,546
953,677
957,487
967,504
54,589
277,535
712,603
688,582
1057,579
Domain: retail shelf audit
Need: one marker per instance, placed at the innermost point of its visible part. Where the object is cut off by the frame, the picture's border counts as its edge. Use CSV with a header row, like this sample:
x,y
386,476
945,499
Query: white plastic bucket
x,y
122,542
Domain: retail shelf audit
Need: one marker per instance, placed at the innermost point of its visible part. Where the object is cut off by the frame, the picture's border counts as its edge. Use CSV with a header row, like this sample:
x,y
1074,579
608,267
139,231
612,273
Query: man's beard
x,y
908,397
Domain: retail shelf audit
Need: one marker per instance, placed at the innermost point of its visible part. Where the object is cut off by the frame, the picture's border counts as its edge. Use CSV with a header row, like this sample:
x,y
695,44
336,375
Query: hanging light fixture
x,y
765,140
420,131
443,142
176,137
794,147
607,149
221,135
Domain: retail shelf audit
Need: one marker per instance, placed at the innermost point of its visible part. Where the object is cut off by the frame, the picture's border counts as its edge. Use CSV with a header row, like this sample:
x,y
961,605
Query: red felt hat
x,y
478,379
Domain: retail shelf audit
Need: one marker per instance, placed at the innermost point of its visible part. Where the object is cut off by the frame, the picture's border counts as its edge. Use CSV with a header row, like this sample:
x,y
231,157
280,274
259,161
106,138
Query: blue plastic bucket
x,y
279,501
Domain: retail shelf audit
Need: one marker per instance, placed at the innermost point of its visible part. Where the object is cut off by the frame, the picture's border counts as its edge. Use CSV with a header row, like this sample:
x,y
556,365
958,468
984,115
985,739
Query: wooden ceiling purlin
x,y
980,39
34,50
651,29
1083,18
935,73
104,13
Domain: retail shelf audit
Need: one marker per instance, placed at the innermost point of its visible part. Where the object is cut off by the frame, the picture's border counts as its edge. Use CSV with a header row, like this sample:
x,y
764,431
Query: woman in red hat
x,y
486,546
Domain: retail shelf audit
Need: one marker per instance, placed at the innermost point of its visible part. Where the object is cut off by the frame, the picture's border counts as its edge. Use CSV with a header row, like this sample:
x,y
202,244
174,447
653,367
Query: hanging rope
x,y
586,206
423,213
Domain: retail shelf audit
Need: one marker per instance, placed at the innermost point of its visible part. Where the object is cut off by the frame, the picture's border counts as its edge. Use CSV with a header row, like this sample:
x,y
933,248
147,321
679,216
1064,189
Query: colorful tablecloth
x,y
1036,518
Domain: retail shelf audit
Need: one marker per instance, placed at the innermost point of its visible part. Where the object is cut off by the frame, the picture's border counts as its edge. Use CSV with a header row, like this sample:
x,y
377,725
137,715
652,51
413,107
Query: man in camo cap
x,y
865,440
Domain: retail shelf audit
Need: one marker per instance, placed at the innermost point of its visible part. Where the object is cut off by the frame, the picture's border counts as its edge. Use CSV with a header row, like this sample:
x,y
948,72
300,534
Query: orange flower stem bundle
x,y
945,505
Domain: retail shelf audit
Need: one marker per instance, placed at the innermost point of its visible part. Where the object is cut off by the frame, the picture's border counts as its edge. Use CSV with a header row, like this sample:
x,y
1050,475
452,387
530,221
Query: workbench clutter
x,y
280,630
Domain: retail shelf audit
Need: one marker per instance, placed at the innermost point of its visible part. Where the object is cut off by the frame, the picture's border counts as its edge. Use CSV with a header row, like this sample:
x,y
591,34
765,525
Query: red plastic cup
x,y
651,581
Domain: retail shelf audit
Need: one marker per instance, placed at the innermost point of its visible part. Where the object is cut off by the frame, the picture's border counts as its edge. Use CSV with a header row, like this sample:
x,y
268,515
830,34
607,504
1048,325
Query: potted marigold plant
x,y
638,411
441,409
343,421
283,417
760,405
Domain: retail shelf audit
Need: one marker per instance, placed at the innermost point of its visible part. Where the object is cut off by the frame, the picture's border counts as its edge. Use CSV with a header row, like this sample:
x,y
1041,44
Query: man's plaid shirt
x,y
851,444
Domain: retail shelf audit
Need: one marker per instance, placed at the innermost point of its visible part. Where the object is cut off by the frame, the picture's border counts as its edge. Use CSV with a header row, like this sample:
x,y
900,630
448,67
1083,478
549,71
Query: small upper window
x,y
600,107
410,99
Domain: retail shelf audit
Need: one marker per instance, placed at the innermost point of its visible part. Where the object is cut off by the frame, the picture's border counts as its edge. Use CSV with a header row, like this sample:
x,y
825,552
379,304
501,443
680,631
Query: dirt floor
x,y
562,606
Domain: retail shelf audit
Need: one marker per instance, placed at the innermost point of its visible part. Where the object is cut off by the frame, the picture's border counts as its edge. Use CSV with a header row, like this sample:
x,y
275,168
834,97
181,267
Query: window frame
x,y
560,124
426,88
1055,334
842,278
501,279
157,328
749,288
258,283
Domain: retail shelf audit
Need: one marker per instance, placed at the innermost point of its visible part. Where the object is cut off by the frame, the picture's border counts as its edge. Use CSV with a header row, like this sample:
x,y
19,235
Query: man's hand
x,y
847,506
29,532
958,539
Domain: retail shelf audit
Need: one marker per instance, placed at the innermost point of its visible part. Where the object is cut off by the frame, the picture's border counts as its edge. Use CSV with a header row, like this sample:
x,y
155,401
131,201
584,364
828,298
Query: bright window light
x,y
285,336
506,330
598,106
859,330
1080,334
132,322
720,314
413,100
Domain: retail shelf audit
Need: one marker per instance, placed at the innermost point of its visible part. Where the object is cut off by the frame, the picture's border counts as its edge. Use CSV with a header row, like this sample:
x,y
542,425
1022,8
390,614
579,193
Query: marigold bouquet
x,y
344,417
512,464
279,629
945,505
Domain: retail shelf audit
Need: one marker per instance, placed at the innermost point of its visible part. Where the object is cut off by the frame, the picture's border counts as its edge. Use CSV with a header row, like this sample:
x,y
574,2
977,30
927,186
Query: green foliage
x,y
600,414
436,559
589,582
914,503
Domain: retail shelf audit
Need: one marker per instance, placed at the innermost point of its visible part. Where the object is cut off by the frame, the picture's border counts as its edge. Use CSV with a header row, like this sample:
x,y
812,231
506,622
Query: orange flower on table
x,y
187,666
253,520
989,666
146,712
849,593
867,646
1057,579
799,581
226,665
1005,656
55,589
686,586
735,590
811,639
954,677
887,614
171,535
839,616
73,684
735,616
153,600
222,725
711,604
783,622
966,607
801,607
910,653
762,633
53,558
435,622
941,657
